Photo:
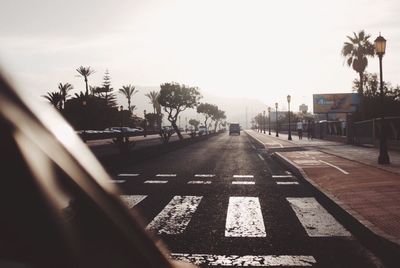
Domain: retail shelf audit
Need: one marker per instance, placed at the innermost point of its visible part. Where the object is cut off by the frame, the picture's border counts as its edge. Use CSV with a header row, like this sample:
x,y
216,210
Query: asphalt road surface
x,y
223,202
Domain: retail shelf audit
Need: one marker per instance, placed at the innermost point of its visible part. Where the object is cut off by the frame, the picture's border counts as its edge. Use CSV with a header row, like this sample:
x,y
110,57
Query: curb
x,y
386,246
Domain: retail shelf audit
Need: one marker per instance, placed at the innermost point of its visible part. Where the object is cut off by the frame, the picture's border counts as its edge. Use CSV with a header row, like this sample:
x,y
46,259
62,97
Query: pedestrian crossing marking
x,y
282,176
132,200
245,260
128,175
244,218
243,176
287,182
315,219
166,175
204,175
199,182
243,182
176,215
155,182
117,181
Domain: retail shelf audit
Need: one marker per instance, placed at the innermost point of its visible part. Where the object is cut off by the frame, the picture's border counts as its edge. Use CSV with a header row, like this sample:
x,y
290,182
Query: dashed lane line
x,y
132,200
244,218
155,182
287,182
315,219
199,182
338,168
246,260
243,176
176,215
244,182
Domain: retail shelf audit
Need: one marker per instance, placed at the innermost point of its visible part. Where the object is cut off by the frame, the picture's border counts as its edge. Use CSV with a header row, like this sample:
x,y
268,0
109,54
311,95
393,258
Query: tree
x,y
106,91
356,52
85,72
153,96
54,98
195,123
128,91
217,117
64,89
208,110
176,98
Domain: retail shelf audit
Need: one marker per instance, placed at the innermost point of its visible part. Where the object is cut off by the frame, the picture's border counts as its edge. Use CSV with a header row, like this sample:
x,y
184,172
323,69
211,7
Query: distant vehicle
x,y
203,130
123,130
234,128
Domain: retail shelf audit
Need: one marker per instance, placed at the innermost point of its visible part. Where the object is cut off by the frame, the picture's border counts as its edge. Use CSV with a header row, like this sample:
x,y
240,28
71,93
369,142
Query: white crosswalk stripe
x,y
282,176
175,216
244,218
155,181
244,182
243,176
132,200
245,260
315,219
166,175
287,182
128,175
204,175
199,182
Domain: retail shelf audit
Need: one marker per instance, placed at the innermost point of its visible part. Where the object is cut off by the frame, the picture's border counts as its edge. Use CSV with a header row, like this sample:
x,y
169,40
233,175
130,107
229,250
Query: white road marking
x,y
260,156
243,182
199,182
338,168
176,215
204,175
315,219
282,176
244,218
288,172
243,176
245,260
254,147
117,181
166,175
132,200
154,181
127,175
286,182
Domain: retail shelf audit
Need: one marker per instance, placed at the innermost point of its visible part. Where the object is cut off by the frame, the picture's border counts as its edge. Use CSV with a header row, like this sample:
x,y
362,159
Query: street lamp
x,y
269,120
121,109
145,124
276,117
380,47
84,104
264,121
290,131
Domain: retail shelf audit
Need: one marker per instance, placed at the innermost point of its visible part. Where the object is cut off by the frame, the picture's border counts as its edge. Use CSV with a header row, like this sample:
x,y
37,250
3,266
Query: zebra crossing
x,y
244,217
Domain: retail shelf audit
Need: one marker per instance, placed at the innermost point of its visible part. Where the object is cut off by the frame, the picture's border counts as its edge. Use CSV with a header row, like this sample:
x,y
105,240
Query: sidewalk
x,y
349,176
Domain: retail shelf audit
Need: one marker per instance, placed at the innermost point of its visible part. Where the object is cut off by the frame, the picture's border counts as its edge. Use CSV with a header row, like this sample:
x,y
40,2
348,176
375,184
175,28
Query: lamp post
x,y
264,121
121,110
269,120
144,124
84,104
380,47
276,117
290,131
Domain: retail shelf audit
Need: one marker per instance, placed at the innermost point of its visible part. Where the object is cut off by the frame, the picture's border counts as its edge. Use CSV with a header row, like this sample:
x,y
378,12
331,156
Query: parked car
x,y
203,130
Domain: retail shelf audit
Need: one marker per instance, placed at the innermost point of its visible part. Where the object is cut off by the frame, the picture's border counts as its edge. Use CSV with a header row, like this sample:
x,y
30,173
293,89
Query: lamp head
x,y
288,98
380,45
276,105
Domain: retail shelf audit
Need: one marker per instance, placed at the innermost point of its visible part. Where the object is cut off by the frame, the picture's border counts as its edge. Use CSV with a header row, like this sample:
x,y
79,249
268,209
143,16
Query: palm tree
x,y
64,89
356,52
153,96
54,98
128,91
85,72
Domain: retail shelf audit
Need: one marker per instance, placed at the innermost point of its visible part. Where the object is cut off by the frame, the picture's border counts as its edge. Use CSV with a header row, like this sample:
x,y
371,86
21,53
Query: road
x,y
223,202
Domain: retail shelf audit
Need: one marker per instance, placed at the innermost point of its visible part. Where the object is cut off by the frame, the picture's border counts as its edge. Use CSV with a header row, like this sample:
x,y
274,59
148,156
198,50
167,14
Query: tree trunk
x,y
360,89
177,130
361,95
87,89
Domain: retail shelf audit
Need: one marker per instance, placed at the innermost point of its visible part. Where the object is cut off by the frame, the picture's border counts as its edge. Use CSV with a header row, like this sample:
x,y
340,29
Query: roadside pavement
x,y
348,175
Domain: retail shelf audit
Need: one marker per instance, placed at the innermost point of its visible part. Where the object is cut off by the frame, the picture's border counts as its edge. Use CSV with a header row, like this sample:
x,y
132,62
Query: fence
x,y
368,132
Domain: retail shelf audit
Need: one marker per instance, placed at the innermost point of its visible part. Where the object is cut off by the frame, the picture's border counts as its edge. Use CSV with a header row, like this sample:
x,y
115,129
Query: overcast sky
x,y
254,49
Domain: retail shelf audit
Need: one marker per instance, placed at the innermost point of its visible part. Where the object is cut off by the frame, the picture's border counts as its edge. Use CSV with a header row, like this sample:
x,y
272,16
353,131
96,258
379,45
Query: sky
x,y
262,50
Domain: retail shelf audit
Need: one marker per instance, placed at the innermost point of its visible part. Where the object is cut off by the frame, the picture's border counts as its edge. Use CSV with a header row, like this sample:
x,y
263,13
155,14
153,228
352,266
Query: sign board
x,y
335,103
